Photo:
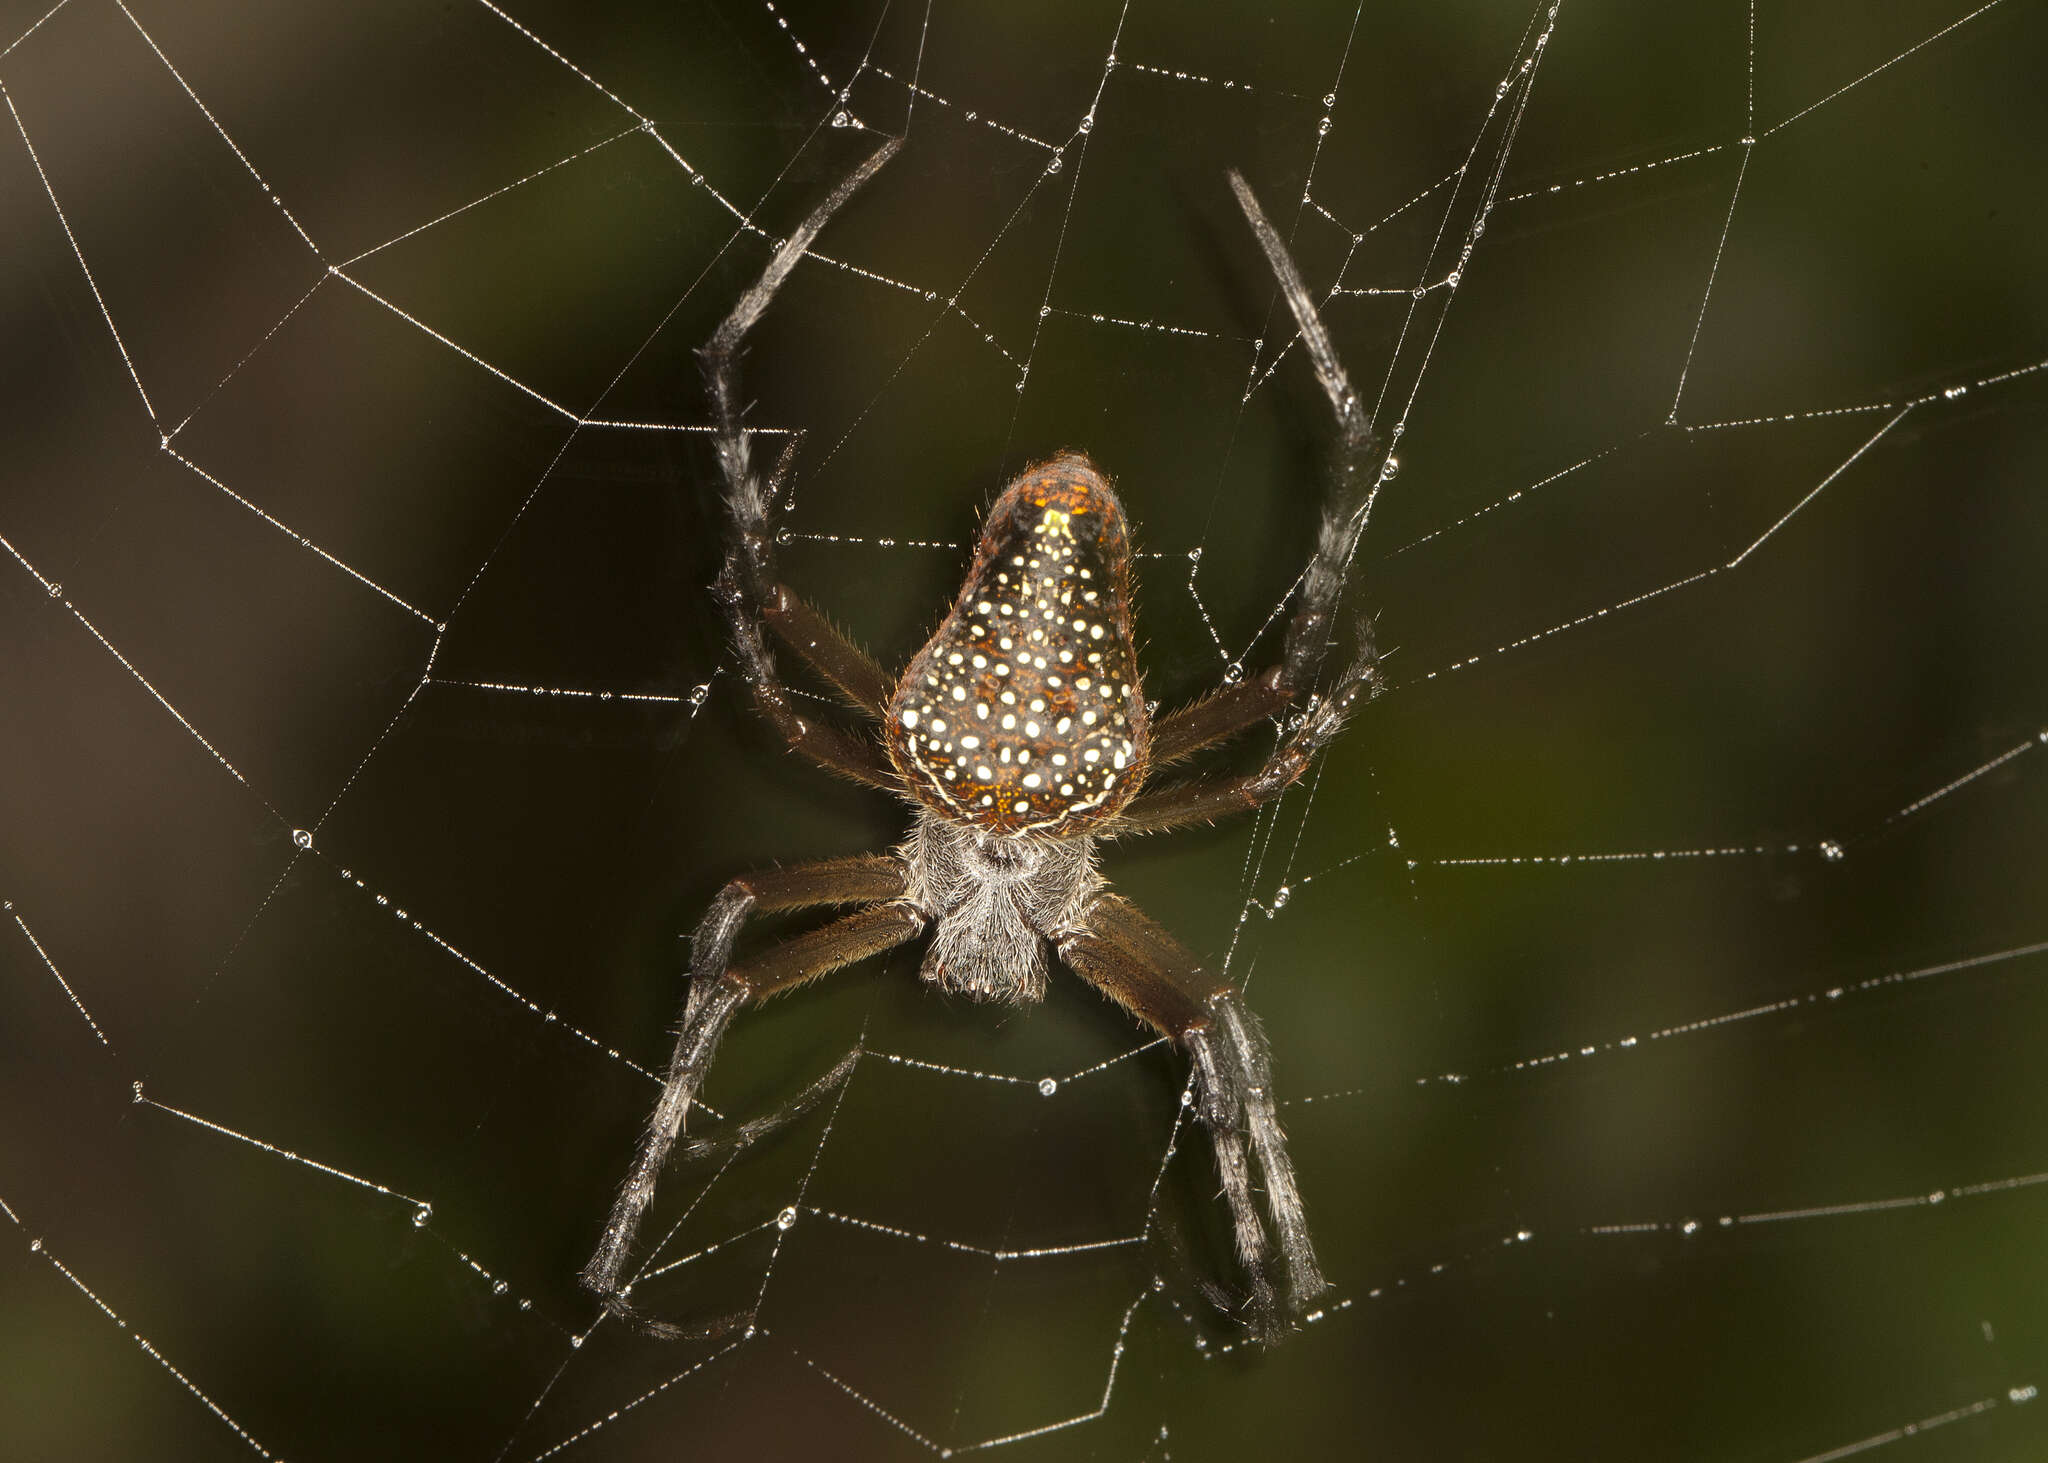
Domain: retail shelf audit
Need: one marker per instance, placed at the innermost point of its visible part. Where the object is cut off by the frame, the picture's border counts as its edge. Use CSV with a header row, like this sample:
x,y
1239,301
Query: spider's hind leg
x,y
1233,1068
718,989
1142,968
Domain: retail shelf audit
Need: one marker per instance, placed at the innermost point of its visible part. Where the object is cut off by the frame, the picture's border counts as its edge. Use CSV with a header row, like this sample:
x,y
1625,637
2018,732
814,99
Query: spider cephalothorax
x,y
995,900
1021,737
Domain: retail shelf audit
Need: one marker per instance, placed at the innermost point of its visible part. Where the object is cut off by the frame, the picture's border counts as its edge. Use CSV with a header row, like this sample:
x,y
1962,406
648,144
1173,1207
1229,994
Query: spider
x,y
1020,736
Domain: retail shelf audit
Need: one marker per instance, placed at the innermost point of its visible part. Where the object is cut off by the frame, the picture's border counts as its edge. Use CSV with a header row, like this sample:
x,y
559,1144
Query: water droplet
x,y
1232,674
1281,896
422,1216
1691,1226
841,119
1087,123
1047,1086
500,1288
786,1218
1832,851
1054,165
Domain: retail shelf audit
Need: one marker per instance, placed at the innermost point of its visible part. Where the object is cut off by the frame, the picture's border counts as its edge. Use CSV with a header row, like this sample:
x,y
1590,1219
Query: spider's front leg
x,y
1207,799
1360,464
719,988
1144,969
751,596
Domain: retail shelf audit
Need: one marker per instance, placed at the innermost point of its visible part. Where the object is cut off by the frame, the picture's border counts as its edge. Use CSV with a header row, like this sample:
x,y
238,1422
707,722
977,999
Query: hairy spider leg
x,y
752,599
1360,465
1136,963
1207,799
718,989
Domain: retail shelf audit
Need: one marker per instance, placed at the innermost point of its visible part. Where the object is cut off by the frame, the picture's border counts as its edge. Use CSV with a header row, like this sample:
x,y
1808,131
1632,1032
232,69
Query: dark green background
x,y
1886,640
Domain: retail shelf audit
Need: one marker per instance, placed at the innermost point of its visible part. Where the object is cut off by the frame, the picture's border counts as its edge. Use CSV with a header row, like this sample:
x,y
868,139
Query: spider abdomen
x,y
1024,712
